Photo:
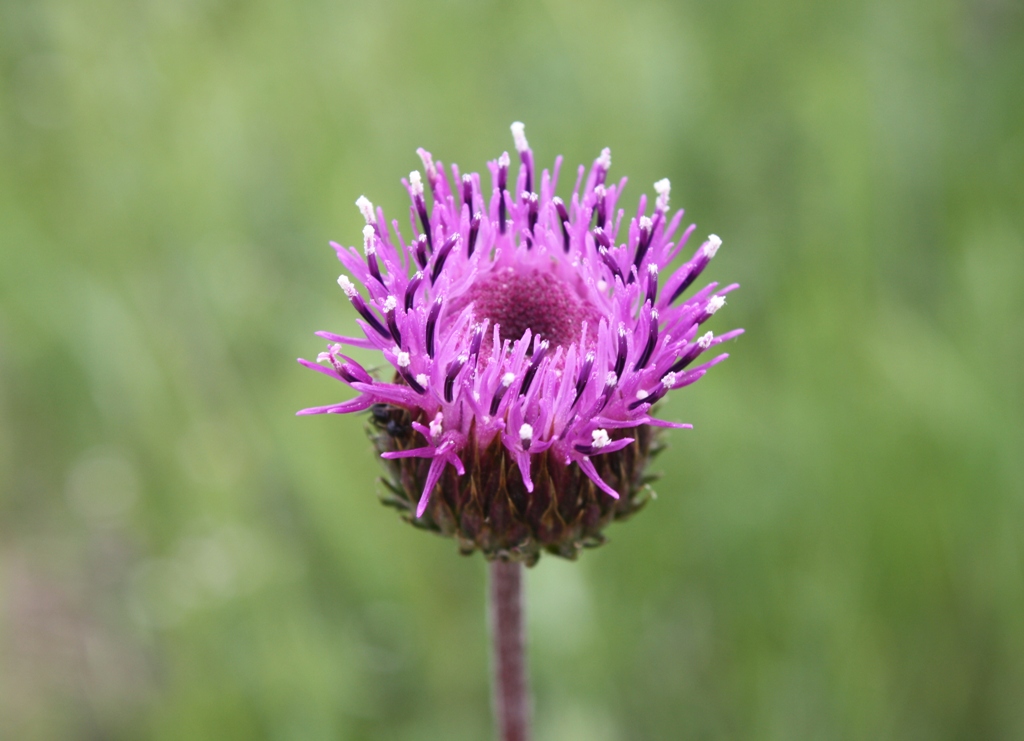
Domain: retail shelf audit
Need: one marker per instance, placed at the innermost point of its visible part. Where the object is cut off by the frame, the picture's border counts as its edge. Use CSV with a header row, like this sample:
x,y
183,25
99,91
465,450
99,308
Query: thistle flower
x,y
530,339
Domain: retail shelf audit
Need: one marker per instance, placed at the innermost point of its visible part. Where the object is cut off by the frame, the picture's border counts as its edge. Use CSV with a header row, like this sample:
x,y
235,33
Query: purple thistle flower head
x,y
530,339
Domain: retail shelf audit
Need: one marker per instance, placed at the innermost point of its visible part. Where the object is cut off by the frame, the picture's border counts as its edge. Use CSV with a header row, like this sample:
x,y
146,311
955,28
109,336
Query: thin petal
x,y
523,461
588,468
427,452
359,404
436,469
321,369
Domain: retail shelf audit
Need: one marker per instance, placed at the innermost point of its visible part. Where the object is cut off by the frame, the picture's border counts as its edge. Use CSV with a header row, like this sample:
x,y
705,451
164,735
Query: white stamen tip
x,y
654,315
390,303
503,160
622,329
416,183
347,287
652,268
366,209
668,380
368,246
605,160
519,136
600,191
323,356
705,342
422,379
715,303
611,379
646,223
641,394
403,359
526,432
435,426
714,242
663,188
599,439
507,379
602,284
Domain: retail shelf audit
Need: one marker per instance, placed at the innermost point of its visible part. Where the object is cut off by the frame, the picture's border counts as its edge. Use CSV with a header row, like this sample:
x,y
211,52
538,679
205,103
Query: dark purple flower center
x,y
517,300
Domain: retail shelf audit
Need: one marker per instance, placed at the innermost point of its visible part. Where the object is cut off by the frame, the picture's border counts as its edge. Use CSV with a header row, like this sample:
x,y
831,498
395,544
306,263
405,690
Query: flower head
x,y
530,338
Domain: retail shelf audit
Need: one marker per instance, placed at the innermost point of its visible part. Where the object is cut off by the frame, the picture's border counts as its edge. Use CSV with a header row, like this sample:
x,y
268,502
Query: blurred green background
x,y
836,552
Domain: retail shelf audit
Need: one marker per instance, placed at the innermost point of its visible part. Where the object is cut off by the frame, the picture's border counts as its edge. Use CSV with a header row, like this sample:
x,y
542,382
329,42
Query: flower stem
x,y
510,693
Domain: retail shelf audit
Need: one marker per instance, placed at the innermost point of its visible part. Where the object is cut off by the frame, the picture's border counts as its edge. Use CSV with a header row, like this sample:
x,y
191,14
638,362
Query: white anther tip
x,y
403,359
526,432
714,242
715,303
663,188
416,183
599,439
605,160
347,287
519,136
365,208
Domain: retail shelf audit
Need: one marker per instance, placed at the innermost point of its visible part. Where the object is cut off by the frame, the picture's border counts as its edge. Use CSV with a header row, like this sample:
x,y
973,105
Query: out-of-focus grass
x,y
836,549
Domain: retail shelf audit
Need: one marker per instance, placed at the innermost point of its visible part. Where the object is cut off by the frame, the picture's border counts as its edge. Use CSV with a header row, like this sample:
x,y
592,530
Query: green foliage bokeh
x,y
836,551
